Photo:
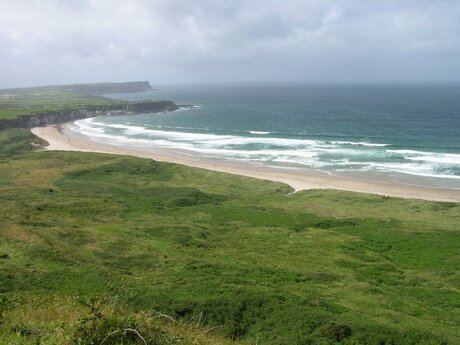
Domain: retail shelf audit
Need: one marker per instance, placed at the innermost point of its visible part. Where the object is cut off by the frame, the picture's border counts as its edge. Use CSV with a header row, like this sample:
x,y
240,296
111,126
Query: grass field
x,y
12,106
94,243
38,100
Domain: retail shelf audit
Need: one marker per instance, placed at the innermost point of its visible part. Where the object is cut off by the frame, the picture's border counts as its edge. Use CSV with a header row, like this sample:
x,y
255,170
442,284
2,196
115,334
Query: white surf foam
x,y
448,159
338,155
425,170
426,156
210,139
260,133
408,152
358,143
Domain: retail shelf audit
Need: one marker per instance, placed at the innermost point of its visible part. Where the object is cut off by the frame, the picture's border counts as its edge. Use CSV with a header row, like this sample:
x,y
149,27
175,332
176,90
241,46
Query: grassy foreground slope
x,y
97,244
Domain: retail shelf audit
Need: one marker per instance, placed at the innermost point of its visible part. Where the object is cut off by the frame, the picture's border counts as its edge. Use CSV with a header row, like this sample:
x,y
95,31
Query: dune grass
x,y
215,250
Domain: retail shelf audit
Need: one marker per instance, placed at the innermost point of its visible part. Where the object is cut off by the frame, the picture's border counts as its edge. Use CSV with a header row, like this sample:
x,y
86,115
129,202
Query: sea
x,y
403,132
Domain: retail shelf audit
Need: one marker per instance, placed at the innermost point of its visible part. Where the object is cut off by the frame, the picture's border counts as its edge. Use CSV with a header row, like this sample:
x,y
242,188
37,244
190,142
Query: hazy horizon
x,y
47,42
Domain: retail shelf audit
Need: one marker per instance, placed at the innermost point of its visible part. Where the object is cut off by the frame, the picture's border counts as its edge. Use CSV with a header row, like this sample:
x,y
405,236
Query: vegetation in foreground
x,y
95,246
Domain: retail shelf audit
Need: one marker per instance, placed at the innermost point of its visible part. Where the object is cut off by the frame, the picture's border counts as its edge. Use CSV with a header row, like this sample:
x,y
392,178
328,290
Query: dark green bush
x,y
336,331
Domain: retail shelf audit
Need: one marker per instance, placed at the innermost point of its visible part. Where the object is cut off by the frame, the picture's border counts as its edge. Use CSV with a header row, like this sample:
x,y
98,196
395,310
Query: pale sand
x,y
300,179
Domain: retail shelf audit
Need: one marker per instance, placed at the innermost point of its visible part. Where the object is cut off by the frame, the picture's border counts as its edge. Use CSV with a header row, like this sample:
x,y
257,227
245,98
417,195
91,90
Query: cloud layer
x,y
169,41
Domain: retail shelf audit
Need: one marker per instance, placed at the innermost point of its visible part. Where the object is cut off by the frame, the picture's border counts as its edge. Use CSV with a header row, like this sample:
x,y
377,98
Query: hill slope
x,y
218,250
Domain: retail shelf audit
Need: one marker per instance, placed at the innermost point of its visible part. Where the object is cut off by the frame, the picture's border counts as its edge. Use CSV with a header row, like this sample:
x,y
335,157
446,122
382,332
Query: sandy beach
x,y
62,139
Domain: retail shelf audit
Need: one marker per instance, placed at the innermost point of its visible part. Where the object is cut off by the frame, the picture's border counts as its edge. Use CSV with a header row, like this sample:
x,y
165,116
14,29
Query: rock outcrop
x,y
66,115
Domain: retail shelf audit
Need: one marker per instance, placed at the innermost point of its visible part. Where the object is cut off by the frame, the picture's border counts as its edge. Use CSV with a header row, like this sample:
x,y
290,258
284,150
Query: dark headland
x,y
88,89
45,105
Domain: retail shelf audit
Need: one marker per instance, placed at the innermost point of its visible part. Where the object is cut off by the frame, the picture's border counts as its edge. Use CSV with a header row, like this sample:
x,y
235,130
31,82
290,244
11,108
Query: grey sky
x,y
180,41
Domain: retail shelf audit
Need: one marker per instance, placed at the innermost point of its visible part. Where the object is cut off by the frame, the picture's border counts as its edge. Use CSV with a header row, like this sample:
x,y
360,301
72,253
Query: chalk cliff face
x,y
66,115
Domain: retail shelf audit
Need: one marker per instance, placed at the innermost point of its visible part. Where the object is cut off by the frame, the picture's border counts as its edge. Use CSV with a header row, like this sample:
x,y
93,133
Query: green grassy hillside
x,y
95,245
42,99
17,102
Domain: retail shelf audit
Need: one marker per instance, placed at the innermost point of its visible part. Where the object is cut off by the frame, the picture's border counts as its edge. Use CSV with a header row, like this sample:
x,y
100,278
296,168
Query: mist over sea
x,y
405,133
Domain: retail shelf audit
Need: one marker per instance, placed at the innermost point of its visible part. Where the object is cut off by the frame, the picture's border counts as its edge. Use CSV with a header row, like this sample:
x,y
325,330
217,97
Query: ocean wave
x,y
359,143
352,153
259,132
188,107
173,135
408,152
210,139
290,154
446,158
265,149
426,156
426,170
223,140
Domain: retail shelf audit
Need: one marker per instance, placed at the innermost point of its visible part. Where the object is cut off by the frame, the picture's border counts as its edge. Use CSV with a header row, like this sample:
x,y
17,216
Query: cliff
x,y
99,89
96,89
69,114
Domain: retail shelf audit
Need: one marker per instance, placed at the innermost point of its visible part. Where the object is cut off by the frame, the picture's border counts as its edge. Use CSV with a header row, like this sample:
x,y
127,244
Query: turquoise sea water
x,y
405,133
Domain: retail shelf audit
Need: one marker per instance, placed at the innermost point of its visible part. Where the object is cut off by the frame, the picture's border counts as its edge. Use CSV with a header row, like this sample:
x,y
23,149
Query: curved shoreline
x,y
61,139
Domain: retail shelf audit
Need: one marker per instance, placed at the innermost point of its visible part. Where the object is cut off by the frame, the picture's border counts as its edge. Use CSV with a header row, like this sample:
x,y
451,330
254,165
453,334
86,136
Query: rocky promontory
x,y
70,114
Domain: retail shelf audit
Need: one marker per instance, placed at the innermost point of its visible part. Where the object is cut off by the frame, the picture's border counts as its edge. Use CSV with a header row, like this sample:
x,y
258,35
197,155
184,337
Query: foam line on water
x,y
338,155
358,143
209,138
426,156
259,132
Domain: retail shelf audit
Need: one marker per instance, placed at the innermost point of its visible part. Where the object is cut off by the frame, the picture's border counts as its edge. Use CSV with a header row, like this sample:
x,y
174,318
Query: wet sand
x,y
62,139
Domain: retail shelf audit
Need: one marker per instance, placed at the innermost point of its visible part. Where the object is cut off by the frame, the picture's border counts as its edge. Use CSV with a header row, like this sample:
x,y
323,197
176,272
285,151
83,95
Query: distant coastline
x,y
66,115
59,137
46,105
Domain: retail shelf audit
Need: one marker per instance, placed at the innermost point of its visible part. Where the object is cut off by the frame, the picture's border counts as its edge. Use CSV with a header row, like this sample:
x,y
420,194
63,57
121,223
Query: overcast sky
x,y
186,41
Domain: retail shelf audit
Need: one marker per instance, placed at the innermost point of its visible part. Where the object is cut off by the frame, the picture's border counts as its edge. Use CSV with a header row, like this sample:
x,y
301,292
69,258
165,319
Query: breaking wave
x,y
265,147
